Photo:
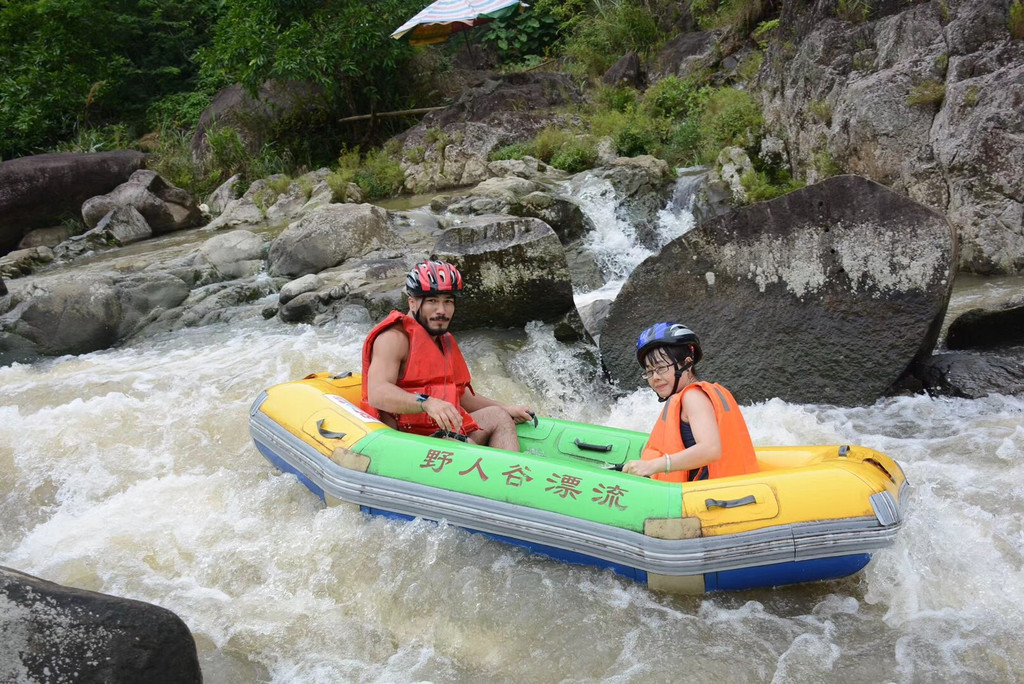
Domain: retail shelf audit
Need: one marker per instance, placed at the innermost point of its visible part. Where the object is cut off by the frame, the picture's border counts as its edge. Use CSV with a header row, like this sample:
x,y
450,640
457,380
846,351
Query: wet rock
x,y
42,190
307,283
824,295
971,376
166,208
514,271
46,237
225,193
76,313
53,633
981,329
329,236
237,254
300,309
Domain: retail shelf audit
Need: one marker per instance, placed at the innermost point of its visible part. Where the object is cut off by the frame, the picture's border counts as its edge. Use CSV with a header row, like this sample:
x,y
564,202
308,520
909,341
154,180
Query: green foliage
x,y
1016,22
820,110
67,65
515,38
740,15
548,142
760,186
944,14
854,11
576,154
615,28
619,99
98,139
971,96
765,31
927,94
377,174
635,140
731,117
674,97
825,164
942,64
513,151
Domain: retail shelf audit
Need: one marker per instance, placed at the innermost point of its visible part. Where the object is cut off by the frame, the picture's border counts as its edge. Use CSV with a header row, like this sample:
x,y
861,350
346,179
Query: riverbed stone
x,y
330,235
970,375
165,207
514,270
53,633
42,190
824,295
235,254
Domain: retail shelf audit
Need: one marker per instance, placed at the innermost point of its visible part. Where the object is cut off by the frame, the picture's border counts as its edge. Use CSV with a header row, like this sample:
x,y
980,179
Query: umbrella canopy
x,y
439,20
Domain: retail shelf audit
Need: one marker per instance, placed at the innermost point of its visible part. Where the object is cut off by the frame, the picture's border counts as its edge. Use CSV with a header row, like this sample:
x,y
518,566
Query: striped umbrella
x,y
438,21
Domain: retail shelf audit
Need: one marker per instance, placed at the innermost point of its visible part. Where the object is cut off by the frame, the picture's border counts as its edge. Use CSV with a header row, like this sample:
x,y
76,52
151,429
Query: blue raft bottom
x,y
759,577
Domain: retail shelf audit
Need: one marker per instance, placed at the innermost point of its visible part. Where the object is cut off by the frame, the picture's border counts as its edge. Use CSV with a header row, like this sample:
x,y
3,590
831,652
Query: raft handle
x,y
592,447
339,376
844,451
730,503
328,433
448,434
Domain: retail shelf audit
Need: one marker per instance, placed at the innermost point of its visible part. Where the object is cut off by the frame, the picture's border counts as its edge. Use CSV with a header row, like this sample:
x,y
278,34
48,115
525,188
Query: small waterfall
x,y
614,243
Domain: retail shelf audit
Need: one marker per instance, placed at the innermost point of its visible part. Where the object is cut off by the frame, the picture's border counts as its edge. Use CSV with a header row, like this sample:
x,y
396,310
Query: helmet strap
x,y
675,385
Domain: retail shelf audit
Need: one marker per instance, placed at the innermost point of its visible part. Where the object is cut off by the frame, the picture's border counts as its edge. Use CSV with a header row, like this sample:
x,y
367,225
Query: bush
x,y
674,97
1016,22
761,187
377,175
513,151
928,94
577,154
731,117
618,27
621,99
635,140
548,142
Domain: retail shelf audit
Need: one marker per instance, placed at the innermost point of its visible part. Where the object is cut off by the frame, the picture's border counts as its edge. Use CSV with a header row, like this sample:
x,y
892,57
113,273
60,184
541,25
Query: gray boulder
x,y
42,190
625,72
330,235
165,207
120,226
76,313
52,633
514,270
236,254
824,295
686,54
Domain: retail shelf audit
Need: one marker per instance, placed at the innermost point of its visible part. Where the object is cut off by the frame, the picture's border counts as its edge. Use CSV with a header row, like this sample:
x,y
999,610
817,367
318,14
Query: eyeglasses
x,y
657,370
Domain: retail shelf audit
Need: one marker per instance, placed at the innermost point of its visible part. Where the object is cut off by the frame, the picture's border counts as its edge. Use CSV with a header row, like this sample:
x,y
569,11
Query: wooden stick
x,y
421,110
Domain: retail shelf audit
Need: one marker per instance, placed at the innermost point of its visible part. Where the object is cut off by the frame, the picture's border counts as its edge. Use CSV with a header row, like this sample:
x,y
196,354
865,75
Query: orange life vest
x,y
428,370
737,449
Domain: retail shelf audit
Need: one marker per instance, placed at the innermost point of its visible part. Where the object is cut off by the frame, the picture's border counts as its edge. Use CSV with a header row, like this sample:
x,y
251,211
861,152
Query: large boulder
x,y
165,207
328,236
514,270
927,99
970,376
52,633
76,313
824,295
42,190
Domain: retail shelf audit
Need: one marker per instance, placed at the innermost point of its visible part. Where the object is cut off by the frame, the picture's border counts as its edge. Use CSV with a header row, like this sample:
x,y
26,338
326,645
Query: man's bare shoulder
x,y
392,339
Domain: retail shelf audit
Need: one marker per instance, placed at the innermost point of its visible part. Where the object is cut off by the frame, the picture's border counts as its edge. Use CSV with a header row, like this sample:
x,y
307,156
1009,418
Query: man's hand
x,y
520,413
644,468
446,415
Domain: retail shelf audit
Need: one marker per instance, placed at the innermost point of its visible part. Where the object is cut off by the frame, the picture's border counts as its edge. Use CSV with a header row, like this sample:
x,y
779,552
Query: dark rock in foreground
x,y
971,376
52,633
824,295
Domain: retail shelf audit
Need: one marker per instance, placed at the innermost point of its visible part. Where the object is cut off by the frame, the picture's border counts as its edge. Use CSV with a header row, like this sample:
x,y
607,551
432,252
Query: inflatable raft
x,y
813,513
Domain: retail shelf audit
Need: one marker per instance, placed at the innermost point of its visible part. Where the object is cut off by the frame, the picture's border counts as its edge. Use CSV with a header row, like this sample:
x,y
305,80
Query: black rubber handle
x,y
592,447
327,433
448,434
730,503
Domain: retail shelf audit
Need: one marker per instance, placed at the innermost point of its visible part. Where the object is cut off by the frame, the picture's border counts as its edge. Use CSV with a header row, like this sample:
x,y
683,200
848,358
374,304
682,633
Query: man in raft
x,y
414,376
700,434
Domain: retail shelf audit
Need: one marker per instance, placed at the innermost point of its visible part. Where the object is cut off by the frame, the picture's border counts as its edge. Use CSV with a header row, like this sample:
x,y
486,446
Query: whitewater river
x,y
131,472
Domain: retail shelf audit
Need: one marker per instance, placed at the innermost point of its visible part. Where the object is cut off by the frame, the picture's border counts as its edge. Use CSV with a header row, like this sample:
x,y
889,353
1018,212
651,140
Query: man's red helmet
x,y
433,278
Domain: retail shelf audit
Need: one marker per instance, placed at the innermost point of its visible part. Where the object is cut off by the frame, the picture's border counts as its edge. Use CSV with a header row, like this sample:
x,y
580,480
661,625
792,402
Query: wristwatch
x,y
422,399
